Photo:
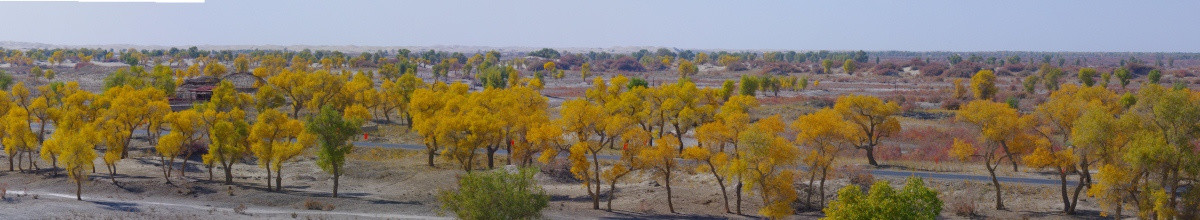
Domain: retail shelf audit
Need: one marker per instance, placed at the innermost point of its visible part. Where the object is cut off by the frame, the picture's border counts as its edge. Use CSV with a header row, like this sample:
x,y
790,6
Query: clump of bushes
x,y
859,176
914,201
496,194
311,204
963,205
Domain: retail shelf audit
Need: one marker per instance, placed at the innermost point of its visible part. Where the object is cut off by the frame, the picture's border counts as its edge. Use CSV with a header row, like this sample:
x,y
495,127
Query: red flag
x,y
626,147
364,136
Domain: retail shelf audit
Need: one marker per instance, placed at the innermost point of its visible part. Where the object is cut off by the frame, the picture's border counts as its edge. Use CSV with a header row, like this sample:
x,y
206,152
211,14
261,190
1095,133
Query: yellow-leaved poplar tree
x,y
873,119
766,163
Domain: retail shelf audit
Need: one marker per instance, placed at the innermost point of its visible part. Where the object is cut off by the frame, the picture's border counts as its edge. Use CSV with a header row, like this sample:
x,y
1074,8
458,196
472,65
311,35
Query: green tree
x,y
1123,76
585,71
849,66
826,65
1050,76
1087,76
1030,84
687,69
332,133
6,80
727,89
748,86
1154,76
914,201
496,195
1105,78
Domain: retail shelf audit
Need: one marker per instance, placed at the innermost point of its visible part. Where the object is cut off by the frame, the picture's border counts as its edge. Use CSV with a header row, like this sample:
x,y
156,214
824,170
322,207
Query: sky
x,y
949,25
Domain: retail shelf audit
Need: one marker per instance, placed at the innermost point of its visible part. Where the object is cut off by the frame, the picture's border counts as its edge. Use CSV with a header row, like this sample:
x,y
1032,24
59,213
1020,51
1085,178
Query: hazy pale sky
x,y
949,25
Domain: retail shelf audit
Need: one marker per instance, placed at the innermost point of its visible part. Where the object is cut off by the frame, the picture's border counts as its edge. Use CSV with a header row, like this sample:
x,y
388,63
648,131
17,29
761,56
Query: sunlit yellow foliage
x,y
765,165
824,135
873,118
77,154
983,85
660,161
274,140
1005,135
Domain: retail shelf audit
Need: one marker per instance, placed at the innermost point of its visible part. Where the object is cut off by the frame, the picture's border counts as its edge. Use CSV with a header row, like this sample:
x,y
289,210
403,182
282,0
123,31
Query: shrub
x,y
859,176
240,209
963,69
737,67
933,69
628,64
952,104
496,195
914,201
963,205
5,79
311,204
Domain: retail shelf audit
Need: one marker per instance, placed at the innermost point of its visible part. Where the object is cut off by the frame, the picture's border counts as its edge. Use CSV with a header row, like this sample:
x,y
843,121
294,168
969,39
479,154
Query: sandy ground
x,y
395,184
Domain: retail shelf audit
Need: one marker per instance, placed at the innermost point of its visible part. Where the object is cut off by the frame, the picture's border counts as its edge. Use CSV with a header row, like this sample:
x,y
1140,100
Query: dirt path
x,y
248,210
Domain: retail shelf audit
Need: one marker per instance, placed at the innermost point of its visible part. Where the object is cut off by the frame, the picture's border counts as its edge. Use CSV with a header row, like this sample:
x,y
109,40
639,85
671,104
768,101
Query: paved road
x,y
891,173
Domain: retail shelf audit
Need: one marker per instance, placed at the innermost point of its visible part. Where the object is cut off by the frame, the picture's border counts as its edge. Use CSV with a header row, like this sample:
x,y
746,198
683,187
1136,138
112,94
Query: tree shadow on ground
x,y
132,189
565,198
119,206
393,202
633,215
1079,214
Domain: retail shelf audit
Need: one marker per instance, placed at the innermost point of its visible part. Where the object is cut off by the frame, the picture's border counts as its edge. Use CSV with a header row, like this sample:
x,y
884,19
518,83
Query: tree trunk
x,y
78,187
721,183
125,147
612,188
491,154
1075,199
32,163
279,178
431,153
824,173
596,196
1062,176
10,163
1010,157
679,138
20,161
871,156
508,148
738,192
228,173
112,173
812,177
54,164
268,176
183,167
336,175
995,183
1087,176
166,168
296,110
670,205
408,120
